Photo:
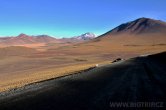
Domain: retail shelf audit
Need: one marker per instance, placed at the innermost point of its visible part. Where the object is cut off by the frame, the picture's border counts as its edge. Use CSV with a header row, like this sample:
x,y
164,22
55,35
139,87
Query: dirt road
x,y
140,79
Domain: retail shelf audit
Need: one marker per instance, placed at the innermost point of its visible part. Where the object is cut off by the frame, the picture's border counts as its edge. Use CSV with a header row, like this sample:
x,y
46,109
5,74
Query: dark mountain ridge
x,y
139,26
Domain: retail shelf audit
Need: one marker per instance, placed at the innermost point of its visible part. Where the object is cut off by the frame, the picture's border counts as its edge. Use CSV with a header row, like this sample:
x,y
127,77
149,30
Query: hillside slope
x,y
139,26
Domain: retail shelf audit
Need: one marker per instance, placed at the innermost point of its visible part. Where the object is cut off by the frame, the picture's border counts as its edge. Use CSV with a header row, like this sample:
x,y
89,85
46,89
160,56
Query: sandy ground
x,y
140,79
19,61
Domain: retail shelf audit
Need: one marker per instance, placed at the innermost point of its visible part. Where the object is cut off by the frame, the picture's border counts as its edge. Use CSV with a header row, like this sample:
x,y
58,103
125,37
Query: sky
x,y
68,18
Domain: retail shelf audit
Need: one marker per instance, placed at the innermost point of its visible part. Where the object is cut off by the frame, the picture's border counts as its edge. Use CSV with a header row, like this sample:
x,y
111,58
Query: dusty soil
x,y
140,79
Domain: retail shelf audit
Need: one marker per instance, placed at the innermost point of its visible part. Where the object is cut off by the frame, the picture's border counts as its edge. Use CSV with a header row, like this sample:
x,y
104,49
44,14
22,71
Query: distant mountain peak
x,y
43,36
83,37
22,35
86,36
140,26
144,18
27,39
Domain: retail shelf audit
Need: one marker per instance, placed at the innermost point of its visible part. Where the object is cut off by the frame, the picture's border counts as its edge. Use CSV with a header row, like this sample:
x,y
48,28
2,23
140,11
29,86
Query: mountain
x,y
42,40
45,39
26,39
141,36
140,26
86,36
76,39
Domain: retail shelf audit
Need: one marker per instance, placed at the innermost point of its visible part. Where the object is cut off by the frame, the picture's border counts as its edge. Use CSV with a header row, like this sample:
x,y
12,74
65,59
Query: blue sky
x,y
66,18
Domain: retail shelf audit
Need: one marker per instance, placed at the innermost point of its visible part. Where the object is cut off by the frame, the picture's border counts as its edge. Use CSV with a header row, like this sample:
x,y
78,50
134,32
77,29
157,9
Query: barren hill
x,y
140,26
27,39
